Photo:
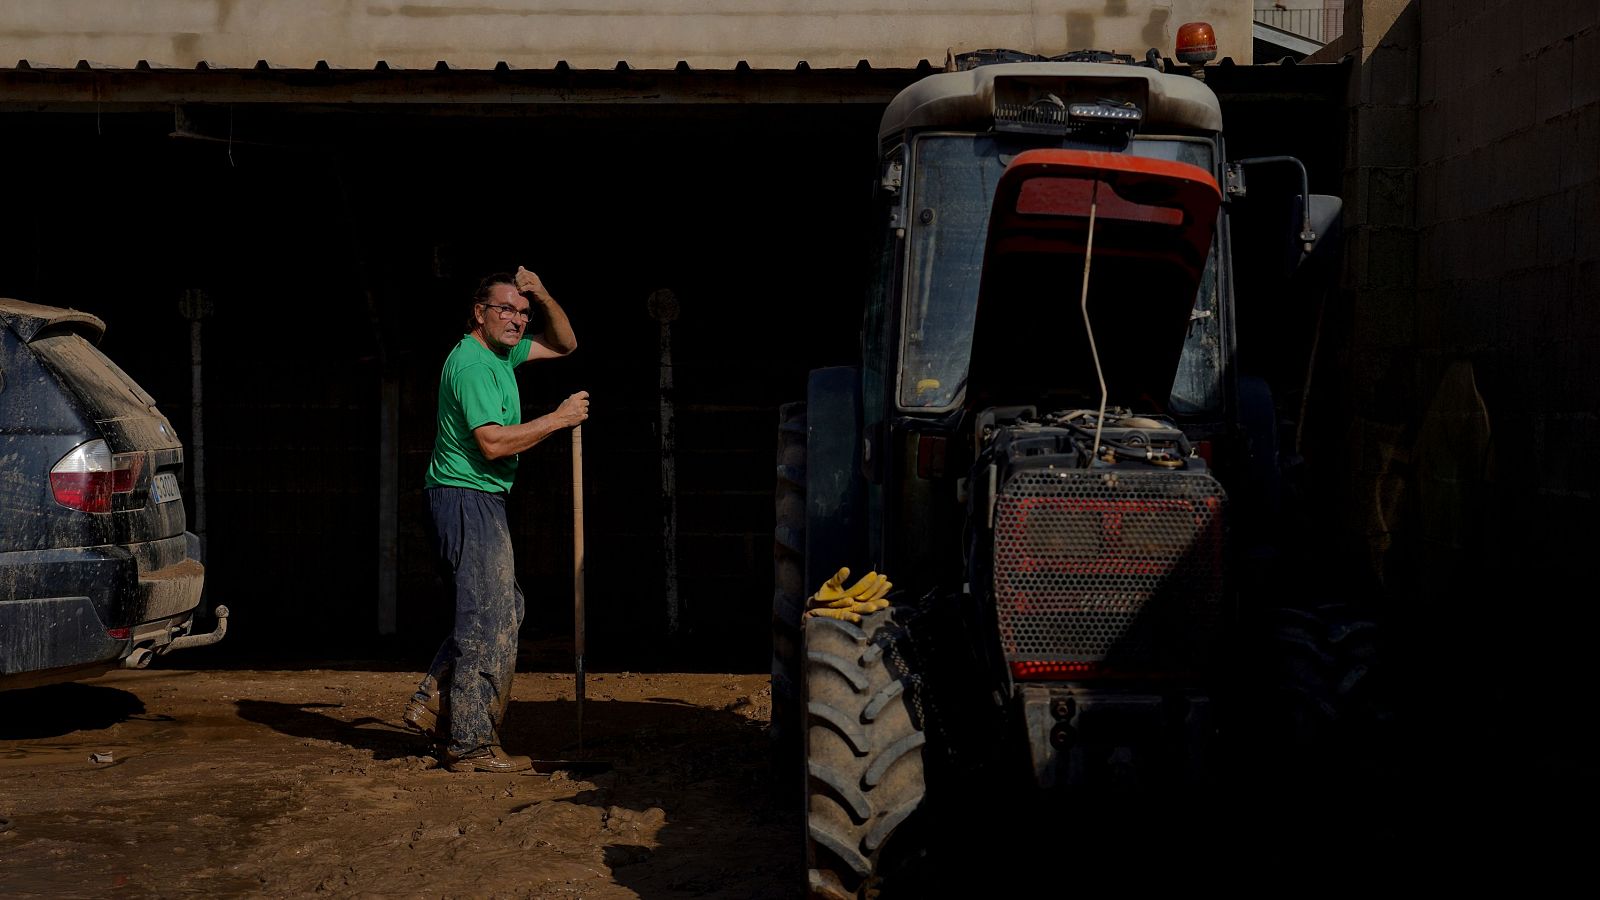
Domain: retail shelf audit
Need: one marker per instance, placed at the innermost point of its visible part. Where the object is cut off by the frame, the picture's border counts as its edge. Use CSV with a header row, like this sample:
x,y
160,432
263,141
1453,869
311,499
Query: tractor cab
x,y
988,178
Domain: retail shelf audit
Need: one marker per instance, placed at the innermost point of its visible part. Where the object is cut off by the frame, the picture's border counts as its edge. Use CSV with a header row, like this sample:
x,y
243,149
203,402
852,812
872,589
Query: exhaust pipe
x,y
201,640
137,659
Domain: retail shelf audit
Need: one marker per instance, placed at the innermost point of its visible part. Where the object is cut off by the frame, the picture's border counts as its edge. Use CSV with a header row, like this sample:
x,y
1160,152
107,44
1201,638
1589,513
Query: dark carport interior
x,y
328,227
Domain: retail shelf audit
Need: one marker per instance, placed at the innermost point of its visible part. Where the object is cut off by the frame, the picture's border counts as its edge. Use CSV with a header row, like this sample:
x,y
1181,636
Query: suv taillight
x,y
125,468
88,477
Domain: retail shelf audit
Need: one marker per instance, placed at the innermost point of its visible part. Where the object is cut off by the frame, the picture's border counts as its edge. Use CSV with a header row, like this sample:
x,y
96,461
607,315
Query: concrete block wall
x,y
1468,395
1507,388
1472,190
1458,425
1507,202
1376,323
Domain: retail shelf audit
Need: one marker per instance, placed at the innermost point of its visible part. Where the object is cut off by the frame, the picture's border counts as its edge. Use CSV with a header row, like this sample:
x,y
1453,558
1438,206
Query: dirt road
x,y
302,783
293,783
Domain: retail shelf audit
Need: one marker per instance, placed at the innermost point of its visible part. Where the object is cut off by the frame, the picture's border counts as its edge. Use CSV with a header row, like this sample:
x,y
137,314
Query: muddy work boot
x,y
420,718
488,759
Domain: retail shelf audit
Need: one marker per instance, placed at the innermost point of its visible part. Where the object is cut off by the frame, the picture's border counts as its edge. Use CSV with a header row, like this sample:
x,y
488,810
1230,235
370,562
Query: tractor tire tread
x,y
841,665
891,755
852,797
854,734
864,755
842,847
882,698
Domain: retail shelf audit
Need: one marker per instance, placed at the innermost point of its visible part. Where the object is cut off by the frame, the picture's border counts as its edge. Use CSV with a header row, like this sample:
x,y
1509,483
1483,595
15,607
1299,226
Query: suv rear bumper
x,y
71,608
38,634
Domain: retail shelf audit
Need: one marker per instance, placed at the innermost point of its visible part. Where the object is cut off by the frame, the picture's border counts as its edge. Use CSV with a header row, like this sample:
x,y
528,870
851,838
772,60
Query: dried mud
x,y
293,783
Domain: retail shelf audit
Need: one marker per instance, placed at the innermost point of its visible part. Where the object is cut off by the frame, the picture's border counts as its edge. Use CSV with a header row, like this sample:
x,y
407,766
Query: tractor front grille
x,y
1108,571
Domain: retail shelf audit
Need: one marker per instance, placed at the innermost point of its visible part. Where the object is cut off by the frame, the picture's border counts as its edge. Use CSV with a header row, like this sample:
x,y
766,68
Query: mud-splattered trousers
x,y
474,666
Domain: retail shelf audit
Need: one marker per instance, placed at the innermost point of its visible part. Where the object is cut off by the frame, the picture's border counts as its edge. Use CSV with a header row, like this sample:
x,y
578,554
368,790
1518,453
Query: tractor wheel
x,y
1330,704
788,590
864,767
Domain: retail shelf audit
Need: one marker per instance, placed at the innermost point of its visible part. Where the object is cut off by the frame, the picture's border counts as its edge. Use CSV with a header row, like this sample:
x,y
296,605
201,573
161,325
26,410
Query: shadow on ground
x,y
685,806
58,709
383,739
703,773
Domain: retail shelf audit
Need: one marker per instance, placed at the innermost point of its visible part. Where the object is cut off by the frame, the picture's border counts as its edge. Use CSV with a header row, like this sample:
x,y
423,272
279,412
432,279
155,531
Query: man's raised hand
x,y
529,283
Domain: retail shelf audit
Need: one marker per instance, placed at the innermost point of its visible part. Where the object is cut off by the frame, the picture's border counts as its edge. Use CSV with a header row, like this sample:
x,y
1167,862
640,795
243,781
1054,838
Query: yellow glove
x,y
876,598
869,592
832,589
844,615
848,604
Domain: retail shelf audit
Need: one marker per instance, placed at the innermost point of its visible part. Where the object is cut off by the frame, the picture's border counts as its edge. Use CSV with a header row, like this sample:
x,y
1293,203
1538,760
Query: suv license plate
x,y
164,487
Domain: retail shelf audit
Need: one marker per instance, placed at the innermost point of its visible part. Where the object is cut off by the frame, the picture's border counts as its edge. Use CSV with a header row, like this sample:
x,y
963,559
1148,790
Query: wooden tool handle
x,y
577,574
577,534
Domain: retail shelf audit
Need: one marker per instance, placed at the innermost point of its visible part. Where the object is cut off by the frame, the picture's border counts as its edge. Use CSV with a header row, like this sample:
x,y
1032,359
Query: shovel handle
x,y
577,572
577,536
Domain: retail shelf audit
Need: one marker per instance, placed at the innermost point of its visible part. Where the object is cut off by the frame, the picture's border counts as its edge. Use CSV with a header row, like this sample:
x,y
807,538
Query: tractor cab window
x,y
1197,389
953,183
952,187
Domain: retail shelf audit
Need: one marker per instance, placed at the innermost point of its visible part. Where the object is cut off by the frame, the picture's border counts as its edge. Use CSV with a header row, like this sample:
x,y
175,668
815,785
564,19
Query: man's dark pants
x,y
475,664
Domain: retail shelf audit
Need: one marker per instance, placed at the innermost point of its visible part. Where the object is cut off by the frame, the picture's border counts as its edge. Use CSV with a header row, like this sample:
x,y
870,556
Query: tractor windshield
x,y
953,186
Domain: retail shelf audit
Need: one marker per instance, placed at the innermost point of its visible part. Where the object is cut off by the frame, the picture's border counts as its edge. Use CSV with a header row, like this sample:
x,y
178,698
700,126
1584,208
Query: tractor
x,y
1047,446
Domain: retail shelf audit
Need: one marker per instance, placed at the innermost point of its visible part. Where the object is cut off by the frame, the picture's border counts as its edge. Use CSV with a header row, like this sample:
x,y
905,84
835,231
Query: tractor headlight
x,y
1107,118
1086,113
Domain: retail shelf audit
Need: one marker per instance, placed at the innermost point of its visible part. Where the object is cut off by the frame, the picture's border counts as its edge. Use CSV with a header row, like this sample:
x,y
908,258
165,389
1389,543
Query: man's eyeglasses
x,y
508,312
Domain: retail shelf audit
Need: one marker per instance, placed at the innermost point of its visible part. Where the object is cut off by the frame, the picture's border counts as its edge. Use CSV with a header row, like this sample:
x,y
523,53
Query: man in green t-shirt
x,y
480,433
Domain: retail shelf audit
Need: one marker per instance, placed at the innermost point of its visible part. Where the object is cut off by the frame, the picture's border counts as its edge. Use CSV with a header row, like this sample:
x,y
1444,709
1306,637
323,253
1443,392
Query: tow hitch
x,y
201,640
141,656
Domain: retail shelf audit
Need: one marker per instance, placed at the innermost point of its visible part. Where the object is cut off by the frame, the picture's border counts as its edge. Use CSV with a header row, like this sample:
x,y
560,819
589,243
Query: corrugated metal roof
x,y
322,65
482,35
42,87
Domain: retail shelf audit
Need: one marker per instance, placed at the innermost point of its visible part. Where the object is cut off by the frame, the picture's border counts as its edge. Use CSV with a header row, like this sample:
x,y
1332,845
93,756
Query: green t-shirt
x,y
477,387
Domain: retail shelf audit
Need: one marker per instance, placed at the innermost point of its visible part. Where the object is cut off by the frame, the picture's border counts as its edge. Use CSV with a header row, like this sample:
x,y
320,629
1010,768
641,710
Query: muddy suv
x,y
96,567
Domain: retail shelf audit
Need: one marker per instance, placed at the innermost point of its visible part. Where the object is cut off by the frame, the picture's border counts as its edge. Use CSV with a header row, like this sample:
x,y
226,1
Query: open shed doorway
x,y
337,249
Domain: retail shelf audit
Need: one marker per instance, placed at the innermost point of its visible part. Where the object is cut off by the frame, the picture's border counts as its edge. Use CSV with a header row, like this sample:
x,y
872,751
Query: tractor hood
x,y
1154,222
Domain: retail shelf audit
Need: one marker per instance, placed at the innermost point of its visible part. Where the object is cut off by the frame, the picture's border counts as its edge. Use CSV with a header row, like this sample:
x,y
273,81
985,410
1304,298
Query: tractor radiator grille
x,y
1108,572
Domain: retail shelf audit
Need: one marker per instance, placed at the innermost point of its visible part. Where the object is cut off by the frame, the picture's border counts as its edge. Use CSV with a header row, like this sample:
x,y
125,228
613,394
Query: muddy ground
x,y
229,783
295,783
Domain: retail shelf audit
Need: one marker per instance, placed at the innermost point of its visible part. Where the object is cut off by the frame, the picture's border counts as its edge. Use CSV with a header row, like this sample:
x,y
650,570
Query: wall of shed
x,y
1508,196
1465,425
1508,306
649,34
1472,187
754,217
